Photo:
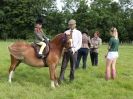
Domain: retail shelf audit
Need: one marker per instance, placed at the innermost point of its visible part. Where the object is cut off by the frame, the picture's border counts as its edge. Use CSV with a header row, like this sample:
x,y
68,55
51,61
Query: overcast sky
x,y
60,4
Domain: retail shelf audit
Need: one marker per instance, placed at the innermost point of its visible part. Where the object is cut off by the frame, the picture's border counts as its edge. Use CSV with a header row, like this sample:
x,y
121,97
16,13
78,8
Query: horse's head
x,y
64,39
67,41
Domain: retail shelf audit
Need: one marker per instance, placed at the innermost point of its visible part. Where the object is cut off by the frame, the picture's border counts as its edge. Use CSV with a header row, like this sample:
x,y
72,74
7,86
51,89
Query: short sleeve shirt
x,y
113,43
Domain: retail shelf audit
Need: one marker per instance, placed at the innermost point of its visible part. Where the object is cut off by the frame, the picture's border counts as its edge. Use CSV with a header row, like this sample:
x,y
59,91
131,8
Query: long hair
x,y
114,32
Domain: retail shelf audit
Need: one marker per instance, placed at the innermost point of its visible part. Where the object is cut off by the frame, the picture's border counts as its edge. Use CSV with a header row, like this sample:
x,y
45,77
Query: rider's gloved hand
x,y
43,39
48,39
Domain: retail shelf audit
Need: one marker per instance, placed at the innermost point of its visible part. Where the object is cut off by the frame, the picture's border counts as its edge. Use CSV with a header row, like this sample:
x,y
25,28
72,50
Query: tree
x,y
18,16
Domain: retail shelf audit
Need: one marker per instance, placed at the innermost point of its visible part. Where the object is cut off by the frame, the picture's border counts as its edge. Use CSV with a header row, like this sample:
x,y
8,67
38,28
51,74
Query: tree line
x,y
17,17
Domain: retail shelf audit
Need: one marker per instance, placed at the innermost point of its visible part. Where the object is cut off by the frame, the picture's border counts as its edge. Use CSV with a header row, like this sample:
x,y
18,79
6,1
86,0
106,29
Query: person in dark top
x,y
112,54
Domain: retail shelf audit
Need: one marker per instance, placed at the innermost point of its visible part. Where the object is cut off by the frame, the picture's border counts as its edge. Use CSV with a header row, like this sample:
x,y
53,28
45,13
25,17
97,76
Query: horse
x,y
21,51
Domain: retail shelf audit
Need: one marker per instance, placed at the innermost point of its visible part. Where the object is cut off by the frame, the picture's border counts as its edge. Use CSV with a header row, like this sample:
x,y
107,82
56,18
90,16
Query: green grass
x,y
34,83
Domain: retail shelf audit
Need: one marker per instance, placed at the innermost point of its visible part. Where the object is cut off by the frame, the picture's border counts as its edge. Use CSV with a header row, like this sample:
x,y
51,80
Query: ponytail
x,y
114,32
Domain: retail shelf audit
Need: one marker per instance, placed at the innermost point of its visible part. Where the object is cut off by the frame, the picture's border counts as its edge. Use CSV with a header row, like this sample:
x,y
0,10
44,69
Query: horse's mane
x,y
57,37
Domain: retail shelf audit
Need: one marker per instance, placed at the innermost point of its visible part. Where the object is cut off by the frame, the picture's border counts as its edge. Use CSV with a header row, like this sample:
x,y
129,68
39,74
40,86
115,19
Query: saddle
x,y
37,48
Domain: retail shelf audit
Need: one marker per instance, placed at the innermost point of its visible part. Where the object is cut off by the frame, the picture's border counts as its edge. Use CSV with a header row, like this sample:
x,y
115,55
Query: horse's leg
x,y
14,64
56,80
52,75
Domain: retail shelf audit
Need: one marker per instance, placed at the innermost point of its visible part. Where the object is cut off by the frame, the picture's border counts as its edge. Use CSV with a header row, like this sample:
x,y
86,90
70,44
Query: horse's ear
x,y
64,37
65,34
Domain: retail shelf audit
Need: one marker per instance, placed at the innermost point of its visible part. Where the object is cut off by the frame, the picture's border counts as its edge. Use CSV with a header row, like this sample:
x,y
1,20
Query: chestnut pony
x,y
21,51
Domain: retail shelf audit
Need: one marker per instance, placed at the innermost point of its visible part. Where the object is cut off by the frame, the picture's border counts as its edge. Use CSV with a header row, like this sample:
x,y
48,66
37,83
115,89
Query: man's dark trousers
x,y
73,58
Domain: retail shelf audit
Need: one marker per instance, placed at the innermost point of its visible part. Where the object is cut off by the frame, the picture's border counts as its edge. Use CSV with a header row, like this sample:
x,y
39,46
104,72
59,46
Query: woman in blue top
x,y
112,54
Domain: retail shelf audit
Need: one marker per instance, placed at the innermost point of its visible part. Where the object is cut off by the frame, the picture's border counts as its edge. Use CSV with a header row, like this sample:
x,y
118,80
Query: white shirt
x,y
76,37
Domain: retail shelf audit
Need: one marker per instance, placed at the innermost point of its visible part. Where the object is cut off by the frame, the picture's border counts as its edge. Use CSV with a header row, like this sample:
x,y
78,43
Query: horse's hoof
x,y
52,84
57,85
9,81
60,82
53,87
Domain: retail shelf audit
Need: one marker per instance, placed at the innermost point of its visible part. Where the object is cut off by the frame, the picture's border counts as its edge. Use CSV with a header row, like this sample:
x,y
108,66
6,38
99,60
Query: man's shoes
x,y
71,80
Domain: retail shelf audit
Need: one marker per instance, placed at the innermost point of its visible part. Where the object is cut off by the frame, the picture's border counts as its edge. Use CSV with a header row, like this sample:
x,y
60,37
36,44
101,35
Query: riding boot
x,y
40,54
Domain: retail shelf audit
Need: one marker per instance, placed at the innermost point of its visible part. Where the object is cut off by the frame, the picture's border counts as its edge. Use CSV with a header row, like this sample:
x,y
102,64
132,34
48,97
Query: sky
x,y
60,4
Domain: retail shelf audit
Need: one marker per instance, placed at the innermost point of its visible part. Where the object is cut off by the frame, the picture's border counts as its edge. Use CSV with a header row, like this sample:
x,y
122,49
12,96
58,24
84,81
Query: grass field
x,y
33,83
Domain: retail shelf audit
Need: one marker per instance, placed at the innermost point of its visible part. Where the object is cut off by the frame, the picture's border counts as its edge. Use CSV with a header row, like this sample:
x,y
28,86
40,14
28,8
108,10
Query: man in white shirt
x,y
71,54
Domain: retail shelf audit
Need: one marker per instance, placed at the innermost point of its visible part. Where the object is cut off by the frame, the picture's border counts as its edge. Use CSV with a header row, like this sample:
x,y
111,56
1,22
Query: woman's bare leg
x,y
108,72
113,69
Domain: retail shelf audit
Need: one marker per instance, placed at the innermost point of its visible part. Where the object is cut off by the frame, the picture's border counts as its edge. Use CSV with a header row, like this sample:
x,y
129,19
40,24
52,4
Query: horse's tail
x,y
16,49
